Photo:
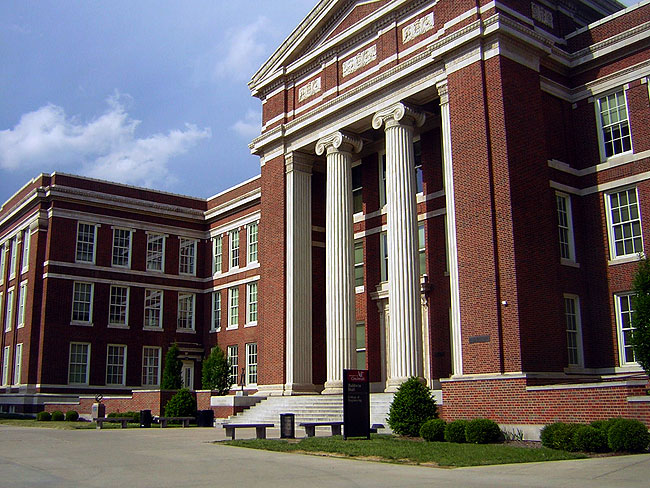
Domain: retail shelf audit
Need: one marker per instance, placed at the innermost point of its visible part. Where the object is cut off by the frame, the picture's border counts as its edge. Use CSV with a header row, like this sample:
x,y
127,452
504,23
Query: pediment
x,y
327,21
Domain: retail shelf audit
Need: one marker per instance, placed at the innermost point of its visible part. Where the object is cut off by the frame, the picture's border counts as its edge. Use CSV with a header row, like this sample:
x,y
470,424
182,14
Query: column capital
x,y
298,161
443,92
339,141
398,114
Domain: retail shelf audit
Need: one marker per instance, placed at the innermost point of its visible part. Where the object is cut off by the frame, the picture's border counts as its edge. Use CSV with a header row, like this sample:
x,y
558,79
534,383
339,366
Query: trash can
x,y
205,418
287,426
145,418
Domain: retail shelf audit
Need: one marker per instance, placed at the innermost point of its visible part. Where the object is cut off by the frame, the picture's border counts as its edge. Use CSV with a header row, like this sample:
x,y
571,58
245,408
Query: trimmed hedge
x,y
628,435
590,439
182,404
482,431
433,430
71,416
412,406
559,436
134,417
44,416
57,416
455,431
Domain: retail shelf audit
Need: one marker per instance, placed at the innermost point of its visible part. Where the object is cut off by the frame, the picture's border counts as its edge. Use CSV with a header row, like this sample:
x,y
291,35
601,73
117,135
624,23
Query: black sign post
x,y
356,403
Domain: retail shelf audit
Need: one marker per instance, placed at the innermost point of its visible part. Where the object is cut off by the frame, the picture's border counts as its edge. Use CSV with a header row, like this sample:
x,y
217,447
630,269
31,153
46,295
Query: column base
x,y
333,388
292,389
392,384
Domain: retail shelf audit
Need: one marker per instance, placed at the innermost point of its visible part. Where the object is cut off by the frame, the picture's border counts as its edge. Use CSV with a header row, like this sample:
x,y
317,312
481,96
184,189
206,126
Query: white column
x,y
403,258
339,258
298,362
456,341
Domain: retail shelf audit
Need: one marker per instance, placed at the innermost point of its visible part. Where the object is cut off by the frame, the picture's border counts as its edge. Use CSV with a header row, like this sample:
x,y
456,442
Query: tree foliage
x,y
171,379
641,317
183,404
412,406
216,372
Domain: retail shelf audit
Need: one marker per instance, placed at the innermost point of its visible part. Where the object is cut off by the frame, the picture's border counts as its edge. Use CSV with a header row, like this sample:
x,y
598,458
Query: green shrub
x,y
433,430
216,372
72,416
590,439
412,406
482,431
455,431
171,378
182,404
44,416
628,435
559,436
57,416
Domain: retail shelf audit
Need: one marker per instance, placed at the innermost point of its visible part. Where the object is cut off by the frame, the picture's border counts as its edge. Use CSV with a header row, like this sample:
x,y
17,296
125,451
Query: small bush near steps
x,y
44,416
71,416
482,431
57,416
455,431
182,404
412,406
433,430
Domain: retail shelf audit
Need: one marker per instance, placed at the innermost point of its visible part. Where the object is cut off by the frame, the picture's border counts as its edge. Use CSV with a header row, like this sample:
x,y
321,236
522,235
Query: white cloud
x,y
244,52
106,147
250,126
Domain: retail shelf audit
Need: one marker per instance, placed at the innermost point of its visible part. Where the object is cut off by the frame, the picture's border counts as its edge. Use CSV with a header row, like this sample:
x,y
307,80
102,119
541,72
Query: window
x,y
233,311
13,258
422,250
358,263
233,361
251,303
357,189
252,241
150,366
624,223
153,301
26,243
82,303
565,226
79,360
573,330
155,252
383,253
186,311
2,302
613,123
251,363
624,314
122,248
9,317
187,257
22,295
417,154
5,365
86,237
115,364
382,180
3,254
361,345
118,310
234,249
216,311
18,362
217,245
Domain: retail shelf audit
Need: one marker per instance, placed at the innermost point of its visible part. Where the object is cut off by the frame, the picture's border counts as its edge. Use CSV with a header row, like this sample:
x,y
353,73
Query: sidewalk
x,y
33,457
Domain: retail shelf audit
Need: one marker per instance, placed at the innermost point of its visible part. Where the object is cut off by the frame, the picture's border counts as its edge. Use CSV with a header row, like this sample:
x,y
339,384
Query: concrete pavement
x,y
34,457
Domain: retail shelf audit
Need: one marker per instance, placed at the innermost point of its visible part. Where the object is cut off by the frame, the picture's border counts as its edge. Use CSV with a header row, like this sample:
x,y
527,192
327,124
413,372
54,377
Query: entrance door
x,y
187,375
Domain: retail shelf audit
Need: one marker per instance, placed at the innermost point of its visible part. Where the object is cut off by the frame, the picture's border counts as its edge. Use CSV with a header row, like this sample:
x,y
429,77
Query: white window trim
x,y
27,241
114,325
619,332
213,326
571,261
230,365
18,364
601,142
95,226
159,351
130,252
164,242
194,243
358,214
383,188
610,234
231,249
22,304
162,308
9,310
6,364
3,255
13,258
88,323
248,364
249,243
86,382
251,323
383,249
192,329
124,364
580,345
231,325
216,271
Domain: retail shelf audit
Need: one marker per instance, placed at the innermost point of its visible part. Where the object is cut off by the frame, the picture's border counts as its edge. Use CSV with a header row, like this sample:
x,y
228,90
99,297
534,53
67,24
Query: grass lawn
x,y
392,449
53,425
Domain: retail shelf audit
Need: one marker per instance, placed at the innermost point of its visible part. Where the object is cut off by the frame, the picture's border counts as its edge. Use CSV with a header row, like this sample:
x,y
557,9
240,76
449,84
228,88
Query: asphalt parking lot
x,y
35,457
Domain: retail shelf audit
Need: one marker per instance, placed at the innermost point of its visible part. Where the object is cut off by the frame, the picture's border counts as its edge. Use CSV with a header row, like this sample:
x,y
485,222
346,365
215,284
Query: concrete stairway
x,y
311,408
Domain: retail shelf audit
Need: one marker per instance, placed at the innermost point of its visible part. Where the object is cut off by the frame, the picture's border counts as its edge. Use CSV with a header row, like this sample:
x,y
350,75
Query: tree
x,y
216,372
641,316
412,406
171,379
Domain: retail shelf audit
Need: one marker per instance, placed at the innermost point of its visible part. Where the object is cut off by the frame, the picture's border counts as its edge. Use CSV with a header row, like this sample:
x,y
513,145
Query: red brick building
x,y
453,190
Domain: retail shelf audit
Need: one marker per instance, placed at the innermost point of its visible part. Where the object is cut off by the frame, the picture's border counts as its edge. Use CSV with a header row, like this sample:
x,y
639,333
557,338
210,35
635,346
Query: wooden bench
x,y
310,427
122,420
260,429
162,421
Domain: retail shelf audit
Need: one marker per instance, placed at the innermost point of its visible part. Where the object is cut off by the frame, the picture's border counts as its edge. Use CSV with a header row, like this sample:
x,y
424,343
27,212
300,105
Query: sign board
x,y
356,403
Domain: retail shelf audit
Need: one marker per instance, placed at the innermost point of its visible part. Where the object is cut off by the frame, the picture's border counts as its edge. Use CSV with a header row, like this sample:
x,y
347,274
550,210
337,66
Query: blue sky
x,y
148,92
